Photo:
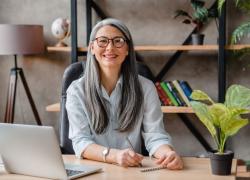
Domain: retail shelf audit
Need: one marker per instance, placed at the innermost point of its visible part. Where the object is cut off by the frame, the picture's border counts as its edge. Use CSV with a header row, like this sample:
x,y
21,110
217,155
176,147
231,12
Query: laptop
x,y
34,151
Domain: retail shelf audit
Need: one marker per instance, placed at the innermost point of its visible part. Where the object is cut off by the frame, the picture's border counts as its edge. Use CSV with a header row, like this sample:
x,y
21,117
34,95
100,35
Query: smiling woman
x,y
111,103
110,56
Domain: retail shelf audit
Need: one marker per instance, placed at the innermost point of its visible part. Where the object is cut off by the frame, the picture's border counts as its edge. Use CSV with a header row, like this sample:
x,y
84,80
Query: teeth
x,y
110,56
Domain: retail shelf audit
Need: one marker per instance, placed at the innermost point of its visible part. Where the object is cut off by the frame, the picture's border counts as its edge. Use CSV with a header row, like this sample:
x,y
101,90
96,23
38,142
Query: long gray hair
x,y
132,96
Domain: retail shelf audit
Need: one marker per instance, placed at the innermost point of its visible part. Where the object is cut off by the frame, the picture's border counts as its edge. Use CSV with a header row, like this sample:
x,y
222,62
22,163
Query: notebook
x,y
34,151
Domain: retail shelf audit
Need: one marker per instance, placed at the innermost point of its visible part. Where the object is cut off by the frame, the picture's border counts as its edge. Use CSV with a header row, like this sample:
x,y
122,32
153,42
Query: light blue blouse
x,y
150,125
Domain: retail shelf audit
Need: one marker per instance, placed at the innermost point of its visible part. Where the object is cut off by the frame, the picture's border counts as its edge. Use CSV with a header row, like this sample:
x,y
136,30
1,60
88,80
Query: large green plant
x,y
222,119
244,28
199,15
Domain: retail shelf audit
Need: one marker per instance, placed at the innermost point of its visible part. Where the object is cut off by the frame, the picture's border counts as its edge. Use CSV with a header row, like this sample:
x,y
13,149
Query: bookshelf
x,y
165,109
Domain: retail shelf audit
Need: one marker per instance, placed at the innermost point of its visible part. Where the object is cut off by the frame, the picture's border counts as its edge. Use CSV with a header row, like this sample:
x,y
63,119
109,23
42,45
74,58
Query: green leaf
x,y
243,4
199,95
237,2
201,15
203,114
238,111
197,4
220,113
239,32
233,125
238,96
220,5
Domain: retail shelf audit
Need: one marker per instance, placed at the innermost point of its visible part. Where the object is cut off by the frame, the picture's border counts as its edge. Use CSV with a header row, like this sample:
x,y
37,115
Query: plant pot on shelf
x,y
197,39
221,164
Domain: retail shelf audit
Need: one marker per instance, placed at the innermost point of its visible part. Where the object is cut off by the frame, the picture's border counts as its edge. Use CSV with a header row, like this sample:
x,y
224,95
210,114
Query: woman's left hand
x,y
170,160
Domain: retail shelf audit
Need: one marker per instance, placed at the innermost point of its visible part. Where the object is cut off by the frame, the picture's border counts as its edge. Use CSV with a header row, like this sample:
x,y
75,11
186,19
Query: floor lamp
x,y
20,40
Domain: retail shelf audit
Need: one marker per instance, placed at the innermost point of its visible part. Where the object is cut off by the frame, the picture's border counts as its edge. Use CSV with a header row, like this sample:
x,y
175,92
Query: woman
x,y
111,107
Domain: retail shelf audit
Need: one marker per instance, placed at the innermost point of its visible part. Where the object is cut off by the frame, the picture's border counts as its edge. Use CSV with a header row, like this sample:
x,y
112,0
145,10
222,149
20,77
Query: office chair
x,y
73,72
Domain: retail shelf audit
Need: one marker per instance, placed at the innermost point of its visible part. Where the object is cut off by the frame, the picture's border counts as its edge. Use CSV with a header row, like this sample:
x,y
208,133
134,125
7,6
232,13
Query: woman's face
x,y
109,47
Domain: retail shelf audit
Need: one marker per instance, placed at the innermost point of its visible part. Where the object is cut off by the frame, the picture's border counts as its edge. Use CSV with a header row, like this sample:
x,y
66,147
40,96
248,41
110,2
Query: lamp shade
x,y
21,39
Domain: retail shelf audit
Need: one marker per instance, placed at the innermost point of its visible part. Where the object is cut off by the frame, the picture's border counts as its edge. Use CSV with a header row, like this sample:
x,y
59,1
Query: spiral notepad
x,y
152,169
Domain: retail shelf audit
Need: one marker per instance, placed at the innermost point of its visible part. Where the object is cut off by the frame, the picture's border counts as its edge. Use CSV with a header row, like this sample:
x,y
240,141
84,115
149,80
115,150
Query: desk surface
x,y
194,168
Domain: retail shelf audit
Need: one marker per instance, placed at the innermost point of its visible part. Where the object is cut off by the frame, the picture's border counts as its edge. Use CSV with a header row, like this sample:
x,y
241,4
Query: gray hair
x,y
132,96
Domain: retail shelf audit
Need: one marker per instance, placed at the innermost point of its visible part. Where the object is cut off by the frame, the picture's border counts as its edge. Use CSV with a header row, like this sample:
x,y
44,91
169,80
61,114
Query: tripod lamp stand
x,y
20,40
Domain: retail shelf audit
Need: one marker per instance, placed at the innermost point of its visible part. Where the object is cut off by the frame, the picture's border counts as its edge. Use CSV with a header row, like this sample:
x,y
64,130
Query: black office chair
x,y
73,72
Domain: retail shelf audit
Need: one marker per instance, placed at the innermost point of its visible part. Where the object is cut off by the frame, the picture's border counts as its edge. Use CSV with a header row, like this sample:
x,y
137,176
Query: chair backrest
x,y
73,72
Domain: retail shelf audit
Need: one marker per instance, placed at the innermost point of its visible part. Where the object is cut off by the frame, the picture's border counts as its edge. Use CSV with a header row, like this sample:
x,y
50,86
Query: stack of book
x,y
174,93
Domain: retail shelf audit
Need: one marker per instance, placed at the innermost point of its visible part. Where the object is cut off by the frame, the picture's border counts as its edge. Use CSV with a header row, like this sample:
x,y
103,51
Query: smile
x,y
110,56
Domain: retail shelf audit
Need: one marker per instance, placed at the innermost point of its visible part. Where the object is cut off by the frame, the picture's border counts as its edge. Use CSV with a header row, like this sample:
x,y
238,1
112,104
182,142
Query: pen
x,y
132,148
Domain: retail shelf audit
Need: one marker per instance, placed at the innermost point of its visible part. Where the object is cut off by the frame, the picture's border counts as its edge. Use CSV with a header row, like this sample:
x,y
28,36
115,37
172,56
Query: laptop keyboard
x,y
72,172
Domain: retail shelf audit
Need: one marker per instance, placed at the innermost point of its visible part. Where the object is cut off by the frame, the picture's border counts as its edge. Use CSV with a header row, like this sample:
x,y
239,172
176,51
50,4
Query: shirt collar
x,y
116,90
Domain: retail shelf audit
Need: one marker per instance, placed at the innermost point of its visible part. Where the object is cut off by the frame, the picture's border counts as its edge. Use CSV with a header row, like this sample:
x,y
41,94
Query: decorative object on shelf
x,y
222,121
61,30
23,40
199,17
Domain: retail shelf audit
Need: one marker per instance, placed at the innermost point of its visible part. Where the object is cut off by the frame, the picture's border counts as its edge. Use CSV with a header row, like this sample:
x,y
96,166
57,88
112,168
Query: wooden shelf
x,y
165,109
53,107
237,46
177,48
148,48
162,48
65,49
175,109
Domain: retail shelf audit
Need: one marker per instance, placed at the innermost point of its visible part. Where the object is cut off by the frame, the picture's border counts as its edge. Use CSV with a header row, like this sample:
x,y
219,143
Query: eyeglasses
x,y
103,41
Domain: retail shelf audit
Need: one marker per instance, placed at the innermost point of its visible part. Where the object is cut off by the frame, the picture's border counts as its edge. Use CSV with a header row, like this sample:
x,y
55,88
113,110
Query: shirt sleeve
x,y
79,129
153,130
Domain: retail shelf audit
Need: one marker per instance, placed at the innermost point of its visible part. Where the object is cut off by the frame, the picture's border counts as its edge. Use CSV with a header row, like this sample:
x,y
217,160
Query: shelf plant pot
x,y
221,163
197,39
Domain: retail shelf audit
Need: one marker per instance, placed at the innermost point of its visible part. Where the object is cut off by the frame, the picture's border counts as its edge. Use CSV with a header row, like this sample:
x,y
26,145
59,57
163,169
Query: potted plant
x,y
199,17
242,29
222,121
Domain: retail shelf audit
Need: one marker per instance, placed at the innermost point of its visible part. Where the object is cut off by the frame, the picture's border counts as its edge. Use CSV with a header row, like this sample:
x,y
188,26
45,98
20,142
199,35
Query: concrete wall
x,y
151,23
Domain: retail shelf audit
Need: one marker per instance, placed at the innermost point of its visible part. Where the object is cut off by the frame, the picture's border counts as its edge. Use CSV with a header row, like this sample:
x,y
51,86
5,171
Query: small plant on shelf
x,y
222,120
199,16
243,29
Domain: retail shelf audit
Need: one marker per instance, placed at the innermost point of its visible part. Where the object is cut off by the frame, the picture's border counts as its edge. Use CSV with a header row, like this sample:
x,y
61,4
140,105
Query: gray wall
x,y
150,23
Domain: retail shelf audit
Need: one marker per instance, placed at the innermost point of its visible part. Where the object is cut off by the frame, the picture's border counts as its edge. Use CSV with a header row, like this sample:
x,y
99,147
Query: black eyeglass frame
x,y
112,40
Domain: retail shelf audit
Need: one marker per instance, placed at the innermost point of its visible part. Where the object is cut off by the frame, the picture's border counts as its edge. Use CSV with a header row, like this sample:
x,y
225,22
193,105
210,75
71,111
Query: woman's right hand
x,y
127,157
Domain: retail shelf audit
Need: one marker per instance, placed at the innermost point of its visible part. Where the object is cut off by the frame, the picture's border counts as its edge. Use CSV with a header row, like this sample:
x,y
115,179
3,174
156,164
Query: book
x,y
162,95
179,89
177,94
170,95
186,88
163,102
174,94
